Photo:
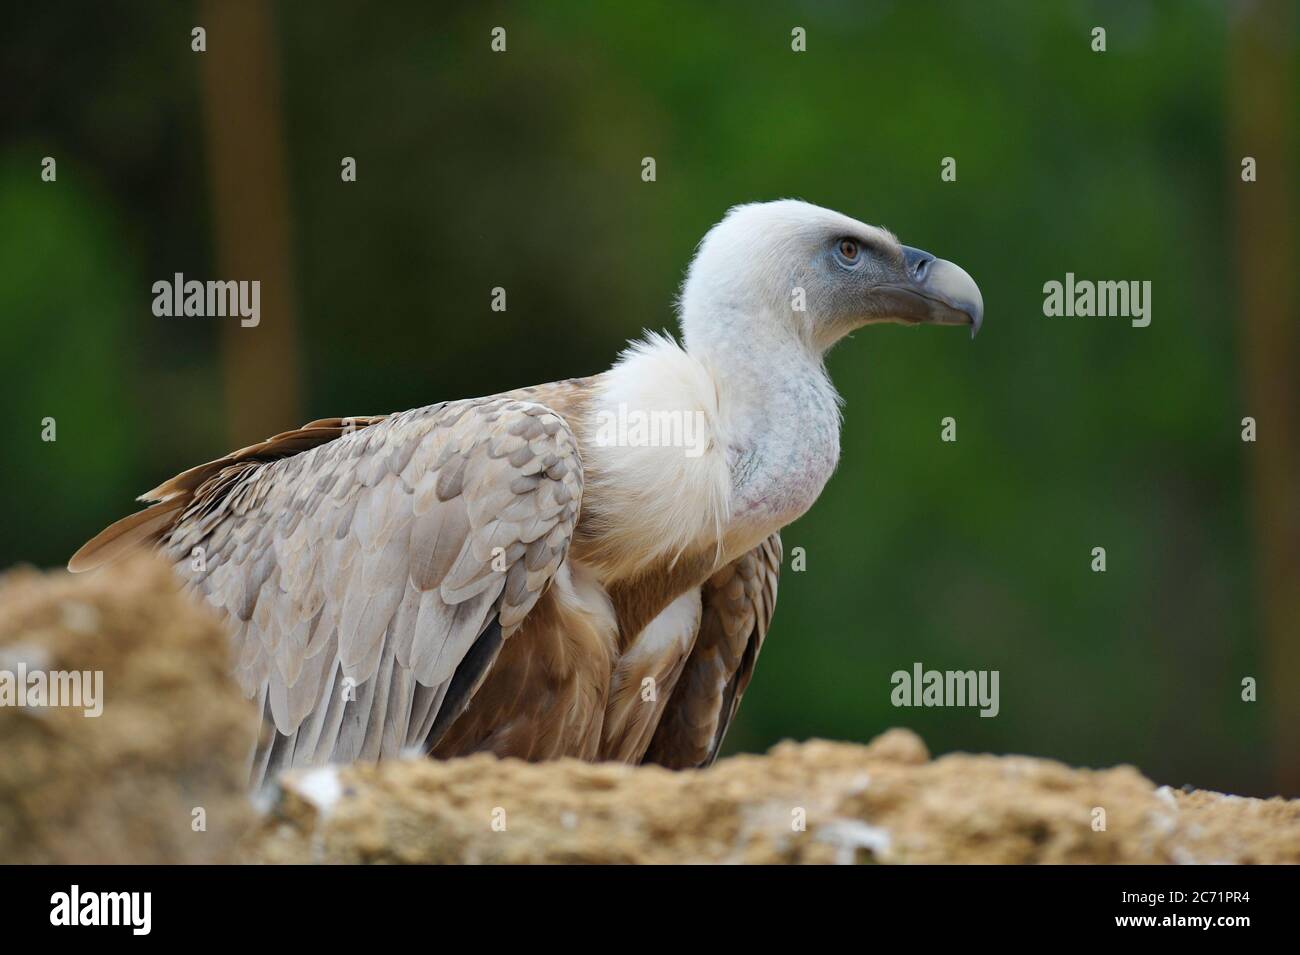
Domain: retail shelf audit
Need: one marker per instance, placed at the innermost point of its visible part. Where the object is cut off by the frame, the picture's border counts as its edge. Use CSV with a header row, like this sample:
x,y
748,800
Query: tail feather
x,y
140,529
146,528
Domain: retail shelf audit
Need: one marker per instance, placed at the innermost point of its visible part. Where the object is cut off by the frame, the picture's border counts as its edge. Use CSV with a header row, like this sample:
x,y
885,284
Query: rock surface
x,y
886,802
172,737
174,734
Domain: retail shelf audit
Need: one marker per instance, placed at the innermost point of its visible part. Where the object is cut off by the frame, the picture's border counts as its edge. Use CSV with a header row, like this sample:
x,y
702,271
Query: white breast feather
x,y
663,489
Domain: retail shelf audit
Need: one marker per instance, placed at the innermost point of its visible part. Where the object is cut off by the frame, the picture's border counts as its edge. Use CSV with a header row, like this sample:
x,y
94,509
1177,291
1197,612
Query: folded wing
x,y
370,575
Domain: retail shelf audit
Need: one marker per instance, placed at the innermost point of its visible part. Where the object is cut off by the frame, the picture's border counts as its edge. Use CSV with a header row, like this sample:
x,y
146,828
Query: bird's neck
x,y
759,421
781,420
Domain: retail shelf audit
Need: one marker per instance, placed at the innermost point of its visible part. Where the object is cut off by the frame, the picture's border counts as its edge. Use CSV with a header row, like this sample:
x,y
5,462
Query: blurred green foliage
x,y
523,170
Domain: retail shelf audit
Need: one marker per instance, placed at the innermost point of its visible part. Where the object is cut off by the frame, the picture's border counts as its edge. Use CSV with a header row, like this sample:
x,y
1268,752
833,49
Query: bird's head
x,y
791,267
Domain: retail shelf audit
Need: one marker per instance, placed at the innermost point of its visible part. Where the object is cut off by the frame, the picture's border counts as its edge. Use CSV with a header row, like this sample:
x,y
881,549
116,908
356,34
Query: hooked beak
x,y
930,291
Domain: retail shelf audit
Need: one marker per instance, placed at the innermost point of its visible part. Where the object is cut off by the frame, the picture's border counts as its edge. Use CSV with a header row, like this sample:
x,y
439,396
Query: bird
x,y
522,574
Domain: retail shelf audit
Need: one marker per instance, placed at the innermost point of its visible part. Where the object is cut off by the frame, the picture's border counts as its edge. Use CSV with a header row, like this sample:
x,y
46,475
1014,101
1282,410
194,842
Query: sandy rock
x,y
886,802
175,732
172,737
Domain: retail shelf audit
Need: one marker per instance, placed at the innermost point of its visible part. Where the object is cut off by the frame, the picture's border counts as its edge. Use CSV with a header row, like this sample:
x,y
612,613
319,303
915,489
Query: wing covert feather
x,y
360,573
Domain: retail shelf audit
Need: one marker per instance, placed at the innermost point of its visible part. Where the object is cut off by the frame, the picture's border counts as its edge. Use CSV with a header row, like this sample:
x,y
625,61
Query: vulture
x,y
521,574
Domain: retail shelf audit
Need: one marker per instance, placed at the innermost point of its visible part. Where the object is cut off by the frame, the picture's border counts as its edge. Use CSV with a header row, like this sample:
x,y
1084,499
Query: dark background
x,y
522,170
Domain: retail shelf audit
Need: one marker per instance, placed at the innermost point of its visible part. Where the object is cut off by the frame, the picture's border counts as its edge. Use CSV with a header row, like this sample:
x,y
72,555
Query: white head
x,y
771,288
789,270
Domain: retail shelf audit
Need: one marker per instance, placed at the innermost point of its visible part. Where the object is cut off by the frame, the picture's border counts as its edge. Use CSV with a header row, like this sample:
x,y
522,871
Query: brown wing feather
x,y
545,695
653,662
146,528
738,602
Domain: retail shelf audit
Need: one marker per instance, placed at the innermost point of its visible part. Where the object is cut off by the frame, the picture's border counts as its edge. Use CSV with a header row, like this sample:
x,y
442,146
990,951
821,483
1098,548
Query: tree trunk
x,y
241,92
1262,101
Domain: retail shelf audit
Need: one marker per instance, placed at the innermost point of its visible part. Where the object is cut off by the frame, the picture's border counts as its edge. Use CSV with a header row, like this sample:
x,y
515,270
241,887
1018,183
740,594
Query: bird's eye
x,y
848,250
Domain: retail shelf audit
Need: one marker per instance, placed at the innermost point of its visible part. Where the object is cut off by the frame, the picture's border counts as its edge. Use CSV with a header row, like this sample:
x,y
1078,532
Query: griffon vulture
x,y
513,574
